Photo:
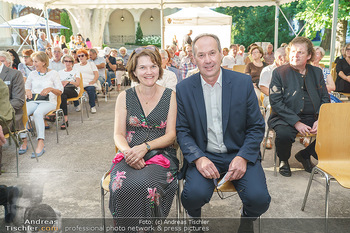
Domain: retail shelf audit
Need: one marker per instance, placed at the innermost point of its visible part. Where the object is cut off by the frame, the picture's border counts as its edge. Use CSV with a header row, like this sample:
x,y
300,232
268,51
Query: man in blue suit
x,y
219,129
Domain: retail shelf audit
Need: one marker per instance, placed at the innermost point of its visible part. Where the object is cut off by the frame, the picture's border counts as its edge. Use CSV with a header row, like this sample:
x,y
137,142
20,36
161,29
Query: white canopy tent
x,y
161,4
199,20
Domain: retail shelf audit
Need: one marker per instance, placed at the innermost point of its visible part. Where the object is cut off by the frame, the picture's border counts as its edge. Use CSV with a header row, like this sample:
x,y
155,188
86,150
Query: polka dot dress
x,y
149,192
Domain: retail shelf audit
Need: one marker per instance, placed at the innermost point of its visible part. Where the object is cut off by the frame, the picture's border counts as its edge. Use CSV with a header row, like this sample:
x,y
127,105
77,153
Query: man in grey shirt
x,y
100,63
55,62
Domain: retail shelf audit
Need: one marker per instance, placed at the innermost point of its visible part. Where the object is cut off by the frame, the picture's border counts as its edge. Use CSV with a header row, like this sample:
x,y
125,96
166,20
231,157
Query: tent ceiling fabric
x,y
142,4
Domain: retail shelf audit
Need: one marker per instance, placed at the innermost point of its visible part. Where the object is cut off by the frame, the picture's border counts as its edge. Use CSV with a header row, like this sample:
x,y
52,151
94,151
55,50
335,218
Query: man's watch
x,y
148,147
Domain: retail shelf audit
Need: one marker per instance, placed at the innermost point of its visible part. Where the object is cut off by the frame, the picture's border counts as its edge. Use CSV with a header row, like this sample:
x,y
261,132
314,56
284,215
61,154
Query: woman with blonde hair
x,y
42,88
62,43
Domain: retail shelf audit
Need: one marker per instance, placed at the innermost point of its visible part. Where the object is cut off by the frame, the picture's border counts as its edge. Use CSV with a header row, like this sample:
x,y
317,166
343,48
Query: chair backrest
x,y
25,116
322,65
239,68
81,86
59,100
334,74
332,140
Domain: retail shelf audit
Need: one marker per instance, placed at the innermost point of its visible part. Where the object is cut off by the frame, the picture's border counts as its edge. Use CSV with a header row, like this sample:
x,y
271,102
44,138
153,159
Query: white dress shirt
x,y
213,107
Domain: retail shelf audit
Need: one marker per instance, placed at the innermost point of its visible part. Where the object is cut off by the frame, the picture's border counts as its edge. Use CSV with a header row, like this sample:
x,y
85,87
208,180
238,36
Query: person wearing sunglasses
x,y
219,129
28,65
89,72
70,82
143,173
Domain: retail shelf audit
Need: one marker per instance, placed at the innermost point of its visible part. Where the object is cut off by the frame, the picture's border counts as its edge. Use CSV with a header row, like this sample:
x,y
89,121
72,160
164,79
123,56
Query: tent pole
x,y
24,41
276,26
162,27
334,31
46,15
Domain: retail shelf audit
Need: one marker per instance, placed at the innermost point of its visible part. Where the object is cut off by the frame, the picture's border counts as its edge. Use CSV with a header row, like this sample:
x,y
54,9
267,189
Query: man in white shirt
x,y
55,62
231,60
264,84
100,63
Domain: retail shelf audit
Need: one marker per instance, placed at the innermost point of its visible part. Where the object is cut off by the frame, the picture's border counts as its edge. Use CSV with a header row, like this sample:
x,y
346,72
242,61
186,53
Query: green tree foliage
x,y
139,34
66,22
322,18
253,24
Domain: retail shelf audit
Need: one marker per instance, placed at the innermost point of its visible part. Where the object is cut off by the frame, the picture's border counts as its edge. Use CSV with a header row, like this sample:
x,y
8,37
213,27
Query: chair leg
x,y
308,186
327,195
31,143
17,148
264,145
56,125
103,209
64,120
86,107
81,109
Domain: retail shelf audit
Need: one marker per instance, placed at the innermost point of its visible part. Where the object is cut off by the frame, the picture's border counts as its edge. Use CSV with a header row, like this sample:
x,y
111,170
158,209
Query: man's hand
x,y
207,168
2,137
237,168
302,128
314,128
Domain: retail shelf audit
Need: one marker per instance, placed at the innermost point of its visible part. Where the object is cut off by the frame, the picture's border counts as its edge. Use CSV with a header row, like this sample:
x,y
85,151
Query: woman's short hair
x,y
70,57
261,51
42,56
27,52
84,51
226,50
302,40
320,49
144,51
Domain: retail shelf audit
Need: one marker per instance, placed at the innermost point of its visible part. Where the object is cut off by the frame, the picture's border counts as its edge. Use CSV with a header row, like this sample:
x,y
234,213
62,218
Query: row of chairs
x,y
332,148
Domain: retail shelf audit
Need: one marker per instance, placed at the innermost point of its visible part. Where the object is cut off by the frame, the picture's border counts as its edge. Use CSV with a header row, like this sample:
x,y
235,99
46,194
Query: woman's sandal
x,y
63,126
51,118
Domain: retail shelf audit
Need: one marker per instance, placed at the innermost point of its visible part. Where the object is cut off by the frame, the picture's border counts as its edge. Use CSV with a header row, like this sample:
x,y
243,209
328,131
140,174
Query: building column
x,y
5,33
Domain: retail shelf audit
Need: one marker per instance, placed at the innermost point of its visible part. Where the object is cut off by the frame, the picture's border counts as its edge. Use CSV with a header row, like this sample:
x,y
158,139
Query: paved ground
x,y
67,177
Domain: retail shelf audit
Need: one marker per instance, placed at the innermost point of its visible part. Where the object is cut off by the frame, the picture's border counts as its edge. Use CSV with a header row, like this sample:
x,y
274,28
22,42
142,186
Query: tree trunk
x,y
91,23
342,26
326,39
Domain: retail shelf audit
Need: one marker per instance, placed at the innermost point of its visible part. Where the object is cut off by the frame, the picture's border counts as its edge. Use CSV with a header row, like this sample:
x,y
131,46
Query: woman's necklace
x,y
148,98
42,74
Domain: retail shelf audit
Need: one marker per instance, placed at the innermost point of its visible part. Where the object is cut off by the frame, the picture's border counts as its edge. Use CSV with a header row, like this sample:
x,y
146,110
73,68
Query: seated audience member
x,y
143,173
55,62
15,58
123,54
114,53
74,54
225,51
62,43
187,62
174,60
249,58
120,71
297,91
72,43
214,139
15,83
100,64
42,88
79,42
268,55
28,65
89,72
173,68
111,65
42,43
5,59
255,67
343,71
241,52
232,59
169,79
70,82
65,51
264,84
6,113
48,52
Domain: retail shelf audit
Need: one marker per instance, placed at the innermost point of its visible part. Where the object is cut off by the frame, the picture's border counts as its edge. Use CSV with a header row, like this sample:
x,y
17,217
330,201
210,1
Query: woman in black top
x,y
342,82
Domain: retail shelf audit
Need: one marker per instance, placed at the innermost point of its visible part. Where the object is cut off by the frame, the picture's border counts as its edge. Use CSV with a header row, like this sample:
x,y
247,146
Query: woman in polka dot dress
x,y
143,173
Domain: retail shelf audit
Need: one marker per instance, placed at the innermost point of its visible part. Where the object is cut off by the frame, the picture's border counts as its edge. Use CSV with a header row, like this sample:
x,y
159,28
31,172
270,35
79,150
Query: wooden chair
x,y
81,99
15,135
332,147
59,114
239,68
311,136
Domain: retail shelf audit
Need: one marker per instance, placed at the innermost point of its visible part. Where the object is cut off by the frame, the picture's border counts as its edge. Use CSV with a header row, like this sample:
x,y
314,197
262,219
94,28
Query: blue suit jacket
x,y
242,122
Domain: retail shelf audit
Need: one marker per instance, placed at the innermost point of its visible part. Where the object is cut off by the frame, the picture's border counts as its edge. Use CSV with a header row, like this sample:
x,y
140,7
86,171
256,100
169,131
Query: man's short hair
x,y
280,52
6,55
206,35
93,50
164,53
122,48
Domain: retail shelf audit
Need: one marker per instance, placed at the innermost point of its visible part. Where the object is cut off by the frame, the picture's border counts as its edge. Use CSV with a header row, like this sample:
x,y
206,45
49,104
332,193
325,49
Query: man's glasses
x,y
82,55
219,190
68,61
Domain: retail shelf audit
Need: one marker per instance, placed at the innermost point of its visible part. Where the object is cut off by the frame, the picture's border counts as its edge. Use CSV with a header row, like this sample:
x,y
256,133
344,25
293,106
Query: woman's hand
x,y
29,94
139,165
46,91
92,83
135,154
64,83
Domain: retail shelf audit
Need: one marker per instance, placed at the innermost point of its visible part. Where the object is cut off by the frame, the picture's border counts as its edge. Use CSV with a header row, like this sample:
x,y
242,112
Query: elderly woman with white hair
x,y
42,88
6,59
319,54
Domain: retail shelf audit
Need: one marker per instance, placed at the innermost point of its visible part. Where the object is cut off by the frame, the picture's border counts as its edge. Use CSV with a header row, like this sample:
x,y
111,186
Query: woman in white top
x,y
89,72
47,83
70,82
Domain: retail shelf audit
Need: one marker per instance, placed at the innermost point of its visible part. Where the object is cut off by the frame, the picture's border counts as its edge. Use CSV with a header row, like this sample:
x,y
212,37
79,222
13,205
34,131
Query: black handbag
x,y
36,97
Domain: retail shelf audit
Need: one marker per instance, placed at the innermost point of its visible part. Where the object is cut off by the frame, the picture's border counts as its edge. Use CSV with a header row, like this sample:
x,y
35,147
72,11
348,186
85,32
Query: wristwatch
x,y
148,147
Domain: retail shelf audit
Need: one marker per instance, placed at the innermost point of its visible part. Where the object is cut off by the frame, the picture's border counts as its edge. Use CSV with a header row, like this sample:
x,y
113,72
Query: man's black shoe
x,y
305,162
246,225
11,207
285,169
